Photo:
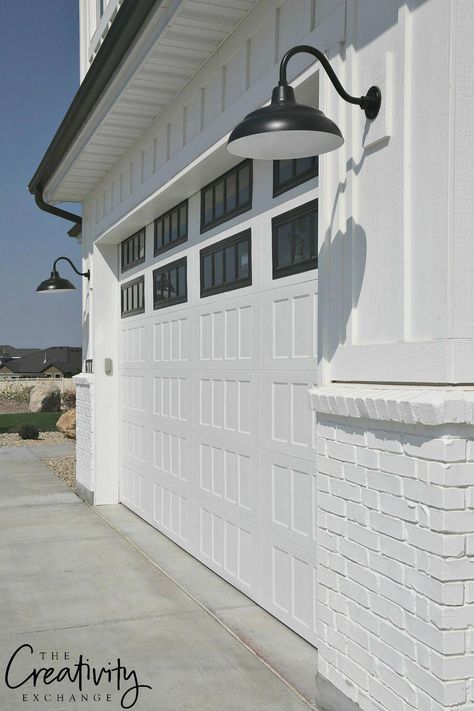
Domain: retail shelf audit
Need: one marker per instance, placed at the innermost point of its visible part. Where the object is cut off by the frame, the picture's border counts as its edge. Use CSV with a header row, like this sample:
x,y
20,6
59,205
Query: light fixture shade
x,y
284,129
55,284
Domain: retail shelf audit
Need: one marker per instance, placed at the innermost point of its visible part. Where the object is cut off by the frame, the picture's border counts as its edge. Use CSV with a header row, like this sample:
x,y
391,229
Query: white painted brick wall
x,y
85,430
396,562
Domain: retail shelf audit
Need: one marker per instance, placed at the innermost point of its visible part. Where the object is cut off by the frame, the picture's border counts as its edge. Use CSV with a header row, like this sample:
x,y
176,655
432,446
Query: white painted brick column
x,y
85,469
396,545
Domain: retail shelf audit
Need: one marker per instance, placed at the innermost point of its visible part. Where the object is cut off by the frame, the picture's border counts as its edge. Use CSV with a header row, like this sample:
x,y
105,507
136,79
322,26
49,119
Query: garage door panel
x,y
133,344
172,399
173,339
289,327
132,441
132,392
228,476
289,584
172,455
172,513
288,425
288,500
228,404
229,546
228,334
135,488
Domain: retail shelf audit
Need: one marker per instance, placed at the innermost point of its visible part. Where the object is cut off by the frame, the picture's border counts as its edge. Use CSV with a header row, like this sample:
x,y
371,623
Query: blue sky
x,y
39,75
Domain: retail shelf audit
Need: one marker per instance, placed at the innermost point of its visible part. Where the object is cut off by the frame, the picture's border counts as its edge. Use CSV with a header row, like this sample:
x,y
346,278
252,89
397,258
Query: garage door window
x,y
171,228
295,240
170,284
227,264
132,251
133,297
289,173
226,197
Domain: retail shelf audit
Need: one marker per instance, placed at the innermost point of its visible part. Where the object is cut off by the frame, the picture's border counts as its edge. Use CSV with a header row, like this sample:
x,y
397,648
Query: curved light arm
x,y
66,259
370,103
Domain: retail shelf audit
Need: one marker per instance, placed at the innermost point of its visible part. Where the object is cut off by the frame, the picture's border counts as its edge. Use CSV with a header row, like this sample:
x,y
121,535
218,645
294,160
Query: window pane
x,y
166,229
285,171
141,248
219,200
174,225
173,282
140,295
231,193
218,268
244,185
159,234
182,280
208,205
304,165
183,221
243,259
230,274
207,282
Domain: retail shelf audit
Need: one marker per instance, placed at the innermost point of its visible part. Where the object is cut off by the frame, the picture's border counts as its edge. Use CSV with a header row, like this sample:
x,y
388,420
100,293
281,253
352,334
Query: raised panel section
x,y
171,454
228,547
133,440
171,340
132,345
290,323
228,476
132,392
171,513
171,397
228,336
228,404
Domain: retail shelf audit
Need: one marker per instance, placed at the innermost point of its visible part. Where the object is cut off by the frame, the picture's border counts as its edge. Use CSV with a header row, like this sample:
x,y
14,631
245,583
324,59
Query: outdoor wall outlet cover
x,y
108,367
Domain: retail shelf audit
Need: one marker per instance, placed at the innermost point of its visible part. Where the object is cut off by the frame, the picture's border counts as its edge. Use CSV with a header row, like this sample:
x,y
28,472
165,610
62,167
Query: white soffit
x,y
177,41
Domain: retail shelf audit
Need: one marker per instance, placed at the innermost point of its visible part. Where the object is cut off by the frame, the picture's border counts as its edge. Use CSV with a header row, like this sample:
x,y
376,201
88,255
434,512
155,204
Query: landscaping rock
x,y
67,424
45,397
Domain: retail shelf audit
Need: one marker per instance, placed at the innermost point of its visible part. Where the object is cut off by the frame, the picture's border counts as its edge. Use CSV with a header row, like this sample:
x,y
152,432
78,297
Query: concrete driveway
x,y
77,596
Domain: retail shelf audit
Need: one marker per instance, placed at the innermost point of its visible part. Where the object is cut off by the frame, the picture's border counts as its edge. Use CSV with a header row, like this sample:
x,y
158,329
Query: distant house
x,y
55,362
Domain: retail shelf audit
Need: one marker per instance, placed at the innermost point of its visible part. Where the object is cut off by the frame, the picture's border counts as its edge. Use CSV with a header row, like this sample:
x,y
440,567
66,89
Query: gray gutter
x,y
117,43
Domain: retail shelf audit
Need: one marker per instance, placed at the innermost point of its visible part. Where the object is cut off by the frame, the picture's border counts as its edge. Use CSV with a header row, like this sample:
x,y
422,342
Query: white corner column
x,y
106,304
395,513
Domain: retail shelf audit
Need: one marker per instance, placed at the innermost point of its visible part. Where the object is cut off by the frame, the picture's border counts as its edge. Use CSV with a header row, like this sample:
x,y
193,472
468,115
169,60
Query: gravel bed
x,y
13,439
64,468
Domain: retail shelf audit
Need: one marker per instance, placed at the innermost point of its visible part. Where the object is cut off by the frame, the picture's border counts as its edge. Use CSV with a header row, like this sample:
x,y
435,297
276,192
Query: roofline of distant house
x,y
112,53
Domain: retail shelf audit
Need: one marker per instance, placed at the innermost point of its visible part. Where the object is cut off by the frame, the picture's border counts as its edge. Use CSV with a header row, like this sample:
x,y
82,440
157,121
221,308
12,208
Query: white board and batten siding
x,y
217,442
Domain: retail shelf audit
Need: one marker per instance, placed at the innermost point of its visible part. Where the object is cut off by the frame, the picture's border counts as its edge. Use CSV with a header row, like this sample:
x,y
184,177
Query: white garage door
x,y
217,441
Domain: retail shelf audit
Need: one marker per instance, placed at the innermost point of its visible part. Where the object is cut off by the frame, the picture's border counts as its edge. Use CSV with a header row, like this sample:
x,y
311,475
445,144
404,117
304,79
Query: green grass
x,y
45,421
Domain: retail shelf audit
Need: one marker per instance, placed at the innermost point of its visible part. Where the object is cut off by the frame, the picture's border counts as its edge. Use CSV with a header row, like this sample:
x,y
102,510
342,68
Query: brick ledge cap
x,y
83,379
405,404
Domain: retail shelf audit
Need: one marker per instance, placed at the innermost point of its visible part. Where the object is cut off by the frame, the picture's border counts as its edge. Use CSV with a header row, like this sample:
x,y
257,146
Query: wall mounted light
x,y
285,129
55,283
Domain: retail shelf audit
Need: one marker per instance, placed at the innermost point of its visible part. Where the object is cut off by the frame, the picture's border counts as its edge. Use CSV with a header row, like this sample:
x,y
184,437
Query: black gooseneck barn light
x,y
285,129
55,283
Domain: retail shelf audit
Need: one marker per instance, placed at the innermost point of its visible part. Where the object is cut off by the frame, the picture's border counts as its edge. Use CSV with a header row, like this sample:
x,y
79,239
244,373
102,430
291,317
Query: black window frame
x,y
125,287
221,247
162,270
238,210
298,267
125,245
162,218
298,178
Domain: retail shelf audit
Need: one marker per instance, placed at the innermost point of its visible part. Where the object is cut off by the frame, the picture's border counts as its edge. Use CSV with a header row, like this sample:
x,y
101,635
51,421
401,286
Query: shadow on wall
x,y
348,247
